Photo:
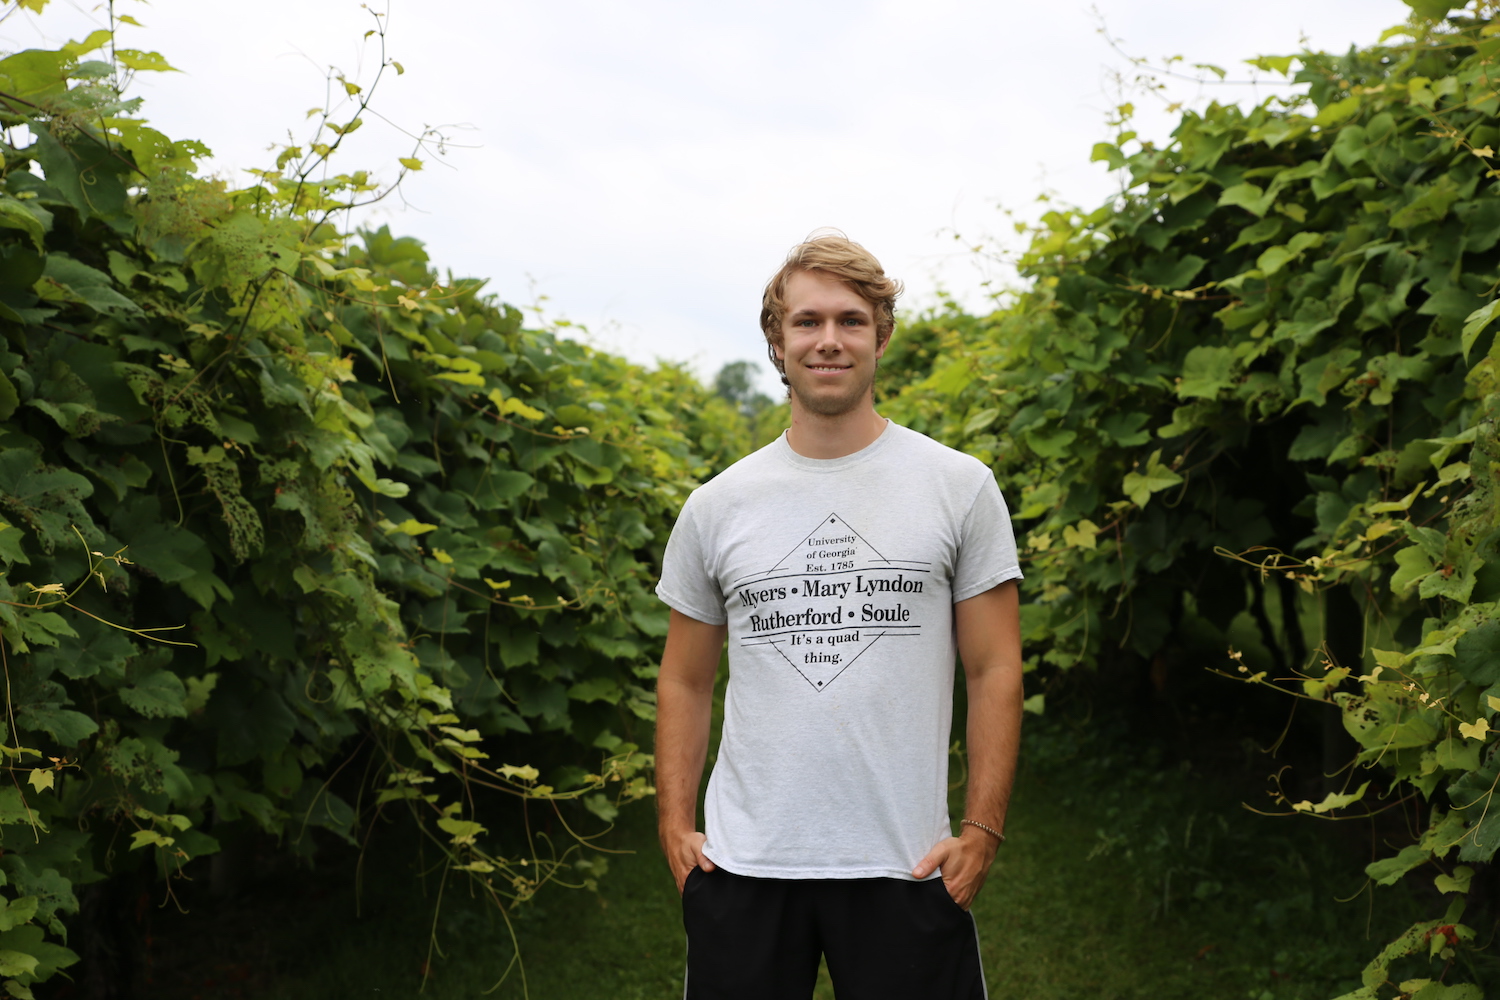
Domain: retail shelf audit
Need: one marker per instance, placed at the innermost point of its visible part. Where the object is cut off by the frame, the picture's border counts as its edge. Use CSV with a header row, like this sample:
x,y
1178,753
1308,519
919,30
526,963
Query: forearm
x,y
989,641
684,704
682,723
994,739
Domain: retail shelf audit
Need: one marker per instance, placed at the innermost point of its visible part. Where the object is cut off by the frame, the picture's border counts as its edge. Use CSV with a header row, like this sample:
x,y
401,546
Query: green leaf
x,y
463,831
29,940
1037,500
411,526
1139,486
1457,754
1332,801
98,649
596,689
158,695
1257,232
1388,871
379,484
88,174
1247,196
1109,153
97,39
1050,444
17,912
14,810
152,62
462,378
1128,430
172,554
1083,535
1206,371
981,420
497,487
1432,10
520,409
1273,64
15,963
36,73
1476,323
1430,206
45,628
11,549
325,809
9,398
67,727
68,280
1431,541
600,806
47,499
1388,506
1381,719
198,691
1446,991
1338,111
15,215
1457,882
148,837
1275,258
1171,273
1476,654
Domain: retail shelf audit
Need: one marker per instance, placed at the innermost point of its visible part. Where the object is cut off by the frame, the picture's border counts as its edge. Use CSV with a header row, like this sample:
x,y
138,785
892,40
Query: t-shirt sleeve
x,y
987,546
686,584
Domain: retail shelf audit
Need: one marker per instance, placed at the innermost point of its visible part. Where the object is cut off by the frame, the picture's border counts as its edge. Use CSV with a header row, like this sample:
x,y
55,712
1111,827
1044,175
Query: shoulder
x,y
950,462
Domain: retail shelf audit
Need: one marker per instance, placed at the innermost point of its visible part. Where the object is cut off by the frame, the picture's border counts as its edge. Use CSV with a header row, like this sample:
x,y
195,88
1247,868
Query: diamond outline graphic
x,y
781,571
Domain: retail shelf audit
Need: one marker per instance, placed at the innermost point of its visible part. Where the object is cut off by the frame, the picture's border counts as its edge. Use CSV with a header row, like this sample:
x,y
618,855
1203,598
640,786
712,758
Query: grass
x,y
1055,922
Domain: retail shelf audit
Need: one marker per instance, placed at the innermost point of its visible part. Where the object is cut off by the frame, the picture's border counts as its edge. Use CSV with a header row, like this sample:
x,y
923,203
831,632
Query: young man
x,y
846,563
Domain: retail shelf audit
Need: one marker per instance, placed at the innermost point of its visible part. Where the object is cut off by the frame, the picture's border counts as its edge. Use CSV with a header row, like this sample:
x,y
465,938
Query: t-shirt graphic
x,y
835,580
827,601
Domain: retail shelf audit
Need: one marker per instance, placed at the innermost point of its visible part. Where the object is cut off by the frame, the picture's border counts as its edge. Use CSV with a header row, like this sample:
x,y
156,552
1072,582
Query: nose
x,y
829,336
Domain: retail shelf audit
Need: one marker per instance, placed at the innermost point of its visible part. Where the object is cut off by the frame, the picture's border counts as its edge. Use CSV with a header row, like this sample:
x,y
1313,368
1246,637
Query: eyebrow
x,y
845,312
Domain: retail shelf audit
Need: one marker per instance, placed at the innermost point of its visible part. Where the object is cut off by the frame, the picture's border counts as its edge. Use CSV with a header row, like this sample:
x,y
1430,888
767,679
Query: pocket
x,y
941,888
687,883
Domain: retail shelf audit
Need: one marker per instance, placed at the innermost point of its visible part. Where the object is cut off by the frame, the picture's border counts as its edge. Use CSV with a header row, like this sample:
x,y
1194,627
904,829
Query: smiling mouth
x,y
828,368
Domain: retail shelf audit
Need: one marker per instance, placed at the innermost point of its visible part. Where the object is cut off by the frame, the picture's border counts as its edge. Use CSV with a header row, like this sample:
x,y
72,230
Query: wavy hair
x,y
832,253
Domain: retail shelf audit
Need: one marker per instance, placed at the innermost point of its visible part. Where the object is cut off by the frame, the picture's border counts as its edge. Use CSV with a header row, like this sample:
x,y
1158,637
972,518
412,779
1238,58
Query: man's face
x,y
828,343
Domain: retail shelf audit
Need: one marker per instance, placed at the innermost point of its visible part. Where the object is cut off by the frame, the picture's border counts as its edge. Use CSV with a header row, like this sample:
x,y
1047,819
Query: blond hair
x,y
832,253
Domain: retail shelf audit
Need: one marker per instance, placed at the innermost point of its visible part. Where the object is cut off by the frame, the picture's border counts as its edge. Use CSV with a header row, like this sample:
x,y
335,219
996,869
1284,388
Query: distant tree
x,y
735,383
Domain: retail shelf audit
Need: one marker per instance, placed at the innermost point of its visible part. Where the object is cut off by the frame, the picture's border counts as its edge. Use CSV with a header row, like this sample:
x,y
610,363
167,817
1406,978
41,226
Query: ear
x,y
880,348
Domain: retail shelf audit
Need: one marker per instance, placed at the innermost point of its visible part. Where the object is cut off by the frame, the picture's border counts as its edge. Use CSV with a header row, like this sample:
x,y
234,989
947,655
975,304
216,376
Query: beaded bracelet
x,y
987,829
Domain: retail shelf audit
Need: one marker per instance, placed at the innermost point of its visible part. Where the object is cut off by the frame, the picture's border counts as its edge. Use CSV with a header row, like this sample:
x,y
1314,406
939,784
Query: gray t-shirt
x,y
837,579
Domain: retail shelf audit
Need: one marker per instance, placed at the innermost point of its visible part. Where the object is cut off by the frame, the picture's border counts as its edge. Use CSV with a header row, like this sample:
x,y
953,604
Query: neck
x,y
813,435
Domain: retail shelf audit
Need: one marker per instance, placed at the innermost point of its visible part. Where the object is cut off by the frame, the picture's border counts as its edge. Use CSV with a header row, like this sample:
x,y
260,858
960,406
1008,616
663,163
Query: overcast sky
x,y
646,165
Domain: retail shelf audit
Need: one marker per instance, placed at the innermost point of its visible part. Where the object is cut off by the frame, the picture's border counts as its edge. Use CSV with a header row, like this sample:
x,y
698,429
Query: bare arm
x,y
684,703
989,643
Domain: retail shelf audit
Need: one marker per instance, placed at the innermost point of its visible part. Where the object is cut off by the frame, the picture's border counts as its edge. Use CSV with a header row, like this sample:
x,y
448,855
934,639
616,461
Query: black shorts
x,y
883,938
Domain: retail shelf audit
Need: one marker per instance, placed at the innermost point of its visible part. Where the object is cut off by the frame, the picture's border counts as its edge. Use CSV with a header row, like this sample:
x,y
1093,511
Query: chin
x,y
829,406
